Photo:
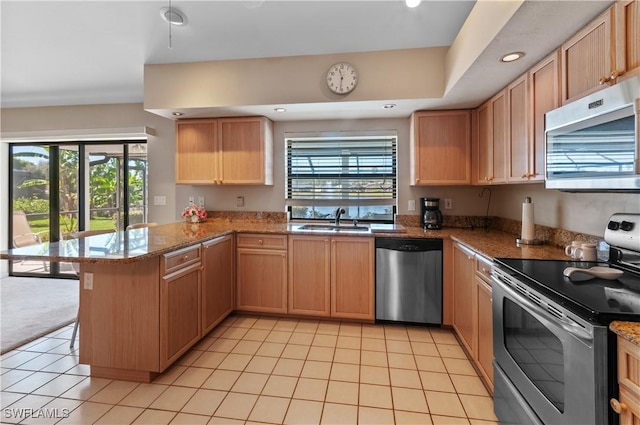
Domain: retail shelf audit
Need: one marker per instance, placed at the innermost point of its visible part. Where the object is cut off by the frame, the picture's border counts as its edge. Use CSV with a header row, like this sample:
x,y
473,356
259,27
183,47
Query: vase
x,y
195,219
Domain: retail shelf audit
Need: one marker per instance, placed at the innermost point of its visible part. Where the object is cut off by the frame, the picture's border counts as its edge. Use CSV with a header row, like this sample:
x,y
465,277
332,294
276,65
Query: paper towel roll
x,y
528,230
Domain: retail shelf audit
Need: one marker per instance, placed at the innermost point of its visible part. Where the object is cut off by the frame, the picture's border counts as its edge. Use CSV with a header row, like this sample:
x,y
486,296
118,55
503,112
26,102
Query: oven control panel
x,y
623,231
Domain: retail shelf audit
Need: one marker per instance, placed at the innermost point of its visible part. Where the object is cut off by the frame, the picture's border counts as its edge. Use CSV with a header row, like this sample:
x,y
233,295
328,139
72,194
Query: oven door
x,y
552,362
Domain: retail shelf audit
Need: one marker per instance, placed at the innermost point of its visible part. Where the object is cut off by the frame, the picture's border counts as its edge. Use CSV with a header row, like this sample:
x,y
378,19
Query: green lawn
x,y
42,225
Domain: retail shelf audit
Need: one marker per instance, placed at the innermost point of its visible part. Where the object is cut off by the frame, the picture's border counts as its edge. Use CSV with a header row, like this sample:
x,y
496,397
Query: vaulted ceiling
x,y
94,52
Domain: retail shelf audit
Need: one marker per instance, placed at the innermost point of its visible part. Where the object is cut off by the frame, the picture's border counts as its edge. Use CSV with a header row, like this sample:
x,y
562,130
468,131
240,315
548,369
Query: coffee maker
x,y
431,215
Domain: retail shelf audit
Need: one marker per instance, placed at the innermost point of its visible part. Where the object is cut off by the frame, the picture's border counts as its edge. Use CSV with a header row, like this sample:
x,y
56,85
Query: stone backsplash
x,y
551,236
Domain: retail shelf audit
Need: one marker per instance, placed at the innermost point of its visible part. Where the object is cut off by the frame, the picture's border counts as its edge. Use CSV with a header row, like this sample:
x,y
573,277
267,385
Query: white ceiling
x,y
93,52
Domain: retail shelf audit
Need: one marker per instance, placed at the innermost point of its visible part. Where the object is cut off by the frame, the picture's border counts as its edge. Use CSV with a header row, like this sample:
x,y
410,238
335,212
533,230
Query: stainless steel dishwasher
x,y
409,280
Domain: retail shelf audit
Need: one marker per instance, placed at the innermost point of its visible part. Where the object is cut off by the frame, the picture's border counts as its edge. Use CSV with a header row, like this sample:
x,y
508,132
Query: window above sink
x,y
354,170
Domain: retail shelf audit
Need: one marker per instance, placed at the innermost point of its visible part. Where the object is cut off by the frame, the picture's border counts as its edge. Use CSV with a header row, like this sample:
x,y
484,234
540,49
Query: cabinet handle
x,y
185,258
484,270
469,258
617,407
326,241
525,175
260,241
283,255
611,79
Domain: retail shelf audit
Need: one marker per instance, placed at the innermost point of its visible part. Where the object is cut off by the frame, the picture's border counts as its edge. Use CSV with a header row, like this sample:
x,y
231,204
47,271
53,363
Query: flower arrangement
x,y
194,213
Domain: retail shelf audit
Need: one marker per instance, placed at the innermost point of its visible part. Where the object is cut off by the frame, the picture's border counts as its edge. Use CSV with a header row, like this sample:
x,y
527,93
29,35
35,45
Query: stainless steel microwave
x,y
592,143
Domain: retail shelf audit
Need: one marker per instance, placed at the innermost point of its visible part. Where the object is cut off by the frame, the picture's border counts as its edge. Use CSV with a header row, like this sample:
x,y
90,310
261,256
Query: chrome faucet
x,y
339,212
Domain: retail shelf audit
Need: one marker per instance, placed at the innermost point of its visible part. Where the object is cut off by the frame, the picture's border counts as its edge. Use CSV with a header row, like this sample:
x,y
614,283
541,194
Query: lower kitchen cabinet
x,y
332,276
179,303
309,275
218,281
628,405
352,278
464,296
484,309
262,273
472,308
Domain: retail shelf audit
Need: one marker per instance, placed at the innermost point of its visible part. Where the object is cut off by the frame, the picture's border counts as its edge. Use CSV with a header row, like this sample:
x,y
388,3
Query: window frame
x,y
340,201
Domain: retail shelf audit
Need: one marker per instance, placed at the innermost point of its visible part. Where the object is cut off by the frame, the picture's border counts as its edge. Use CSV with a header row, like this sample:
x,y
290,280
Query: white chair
x,y
76,269
23,235
140,225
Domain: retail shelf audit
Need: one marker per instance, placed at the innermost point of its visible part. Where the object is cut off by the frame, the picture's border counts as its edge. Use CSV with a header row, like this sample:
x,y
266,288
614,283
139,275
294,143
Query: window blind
x,y
343,172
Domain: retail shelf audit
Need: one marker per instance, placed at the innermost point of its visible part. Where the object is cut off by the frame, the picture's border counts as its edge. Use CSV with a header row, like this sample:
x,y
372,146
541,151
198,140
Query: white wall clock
x,y
342,78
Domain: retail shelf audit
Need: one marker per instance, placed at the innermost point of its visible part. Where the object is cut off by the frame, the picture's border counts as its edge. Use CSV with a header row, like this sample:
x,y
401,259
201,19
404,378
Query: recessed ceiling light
x,y
173,16
412,3
280,109
510,57
177,114
389,106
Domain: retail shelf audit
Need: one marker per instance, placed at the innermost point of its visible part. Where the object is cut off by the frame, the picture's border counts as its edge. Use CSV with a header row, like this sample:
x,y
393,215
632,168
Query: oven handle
x,y
568,326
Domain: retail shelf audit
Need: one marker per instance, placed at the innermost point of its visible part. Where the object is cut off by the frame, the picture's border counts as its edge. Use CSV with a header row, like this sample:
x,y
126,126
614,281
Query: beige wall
x,y
578,212
161,147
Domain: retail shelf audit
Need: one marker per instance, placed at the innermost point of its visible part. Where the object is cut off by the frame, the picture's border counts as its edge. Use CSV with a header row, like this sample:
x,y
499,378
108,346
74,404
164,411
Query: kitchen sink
x,y
333,227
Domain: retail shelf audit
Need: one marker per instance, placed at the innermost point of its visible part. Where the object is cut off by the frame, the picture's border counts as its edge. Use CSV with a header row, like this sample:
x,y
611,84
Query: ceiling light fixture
x,y
177,114
513,56
173,17
412,3
280,109
389,106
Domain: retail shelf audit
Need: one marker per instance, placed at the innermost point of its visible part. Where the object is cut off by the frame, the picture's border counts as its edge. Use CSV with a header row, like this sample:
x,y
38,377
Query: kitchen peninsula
x,y
147,295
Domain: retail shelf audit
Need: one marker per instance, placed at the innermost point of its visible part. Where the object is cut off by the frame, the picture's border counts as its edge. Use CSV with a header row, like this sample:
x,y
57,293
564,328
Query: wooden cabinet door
x,y
309,275
485,329
218,281
483,146
179,313
246,151
627,27
352,278
262,280
196,151
517,140
587,58
464,296
629,382
499,119
441,147
544,88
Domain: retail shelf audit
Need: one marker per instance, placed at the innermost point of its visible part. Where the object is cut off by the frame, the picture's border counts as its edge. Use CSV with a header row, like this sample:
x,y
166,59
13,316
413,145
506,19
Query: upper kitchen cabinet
x,y
490,141
544,96
196,151
518,122
246,151
529,98
627,41
440,148
225,151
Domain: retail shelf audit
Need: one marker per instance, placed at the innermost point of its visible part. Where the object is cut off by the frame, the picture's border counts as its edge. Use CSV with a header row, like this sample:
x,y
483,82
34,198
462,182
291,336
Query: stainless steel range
x,y
555,360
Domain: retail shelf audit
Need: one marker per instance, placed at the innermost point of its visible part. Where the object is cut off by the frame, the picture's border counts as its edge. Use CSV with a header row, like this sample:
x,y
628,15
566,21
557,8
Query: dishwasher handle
x,y
409,245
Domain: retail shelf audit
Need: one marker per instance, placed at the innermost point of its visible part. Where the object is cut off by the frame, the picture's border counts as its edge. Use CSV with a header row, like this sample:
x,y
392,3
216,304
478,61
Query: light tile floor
x,y
255,369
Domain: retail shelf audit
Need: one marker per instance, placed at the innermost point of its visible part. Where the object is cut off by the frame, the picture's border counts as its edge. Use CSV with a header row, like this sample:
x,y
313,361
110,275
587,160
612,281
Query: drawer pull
x,y
617,406
260,241
185,258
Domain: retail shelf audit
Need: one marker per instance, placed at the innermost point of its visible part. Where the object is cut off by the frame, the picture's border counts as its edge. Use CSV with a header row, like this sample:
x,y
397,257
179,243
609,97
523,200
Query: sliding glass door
x,y
58,189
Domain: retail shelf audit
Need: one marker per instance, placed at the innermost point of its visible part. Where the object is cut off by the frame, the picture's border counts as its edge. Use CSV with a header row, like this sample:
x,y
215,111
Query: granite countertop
x,y
138,244
627,330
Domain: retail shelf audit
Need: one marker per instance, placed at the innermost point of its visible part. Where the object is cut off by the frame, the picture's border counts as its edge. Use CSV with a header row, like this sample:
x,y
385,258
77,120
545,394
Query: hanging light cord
x,y
170,24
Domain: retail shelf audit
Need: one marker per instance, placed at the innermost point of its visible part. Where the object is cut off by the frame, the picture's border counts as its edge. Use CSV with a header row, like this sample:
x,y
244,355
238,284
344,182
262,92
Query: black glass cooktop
x,y
597,300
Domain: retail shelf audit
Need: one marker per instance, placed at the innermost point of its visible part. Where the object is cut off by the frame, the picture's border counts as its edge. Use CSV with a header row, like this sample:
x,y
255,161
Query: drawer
x,y
184,257
249,240
483,268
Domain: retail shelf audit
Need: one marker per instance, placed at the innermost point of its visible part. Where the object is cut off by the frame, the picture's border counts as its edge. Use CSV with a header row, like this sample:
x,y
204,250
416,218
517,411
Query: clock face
x,y
342,78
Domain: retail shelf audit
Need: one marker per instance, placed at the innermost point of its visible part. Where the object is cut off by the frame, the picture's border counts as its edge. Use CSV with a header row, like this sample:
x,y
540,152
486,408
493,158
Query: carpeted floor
x,y
32,307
